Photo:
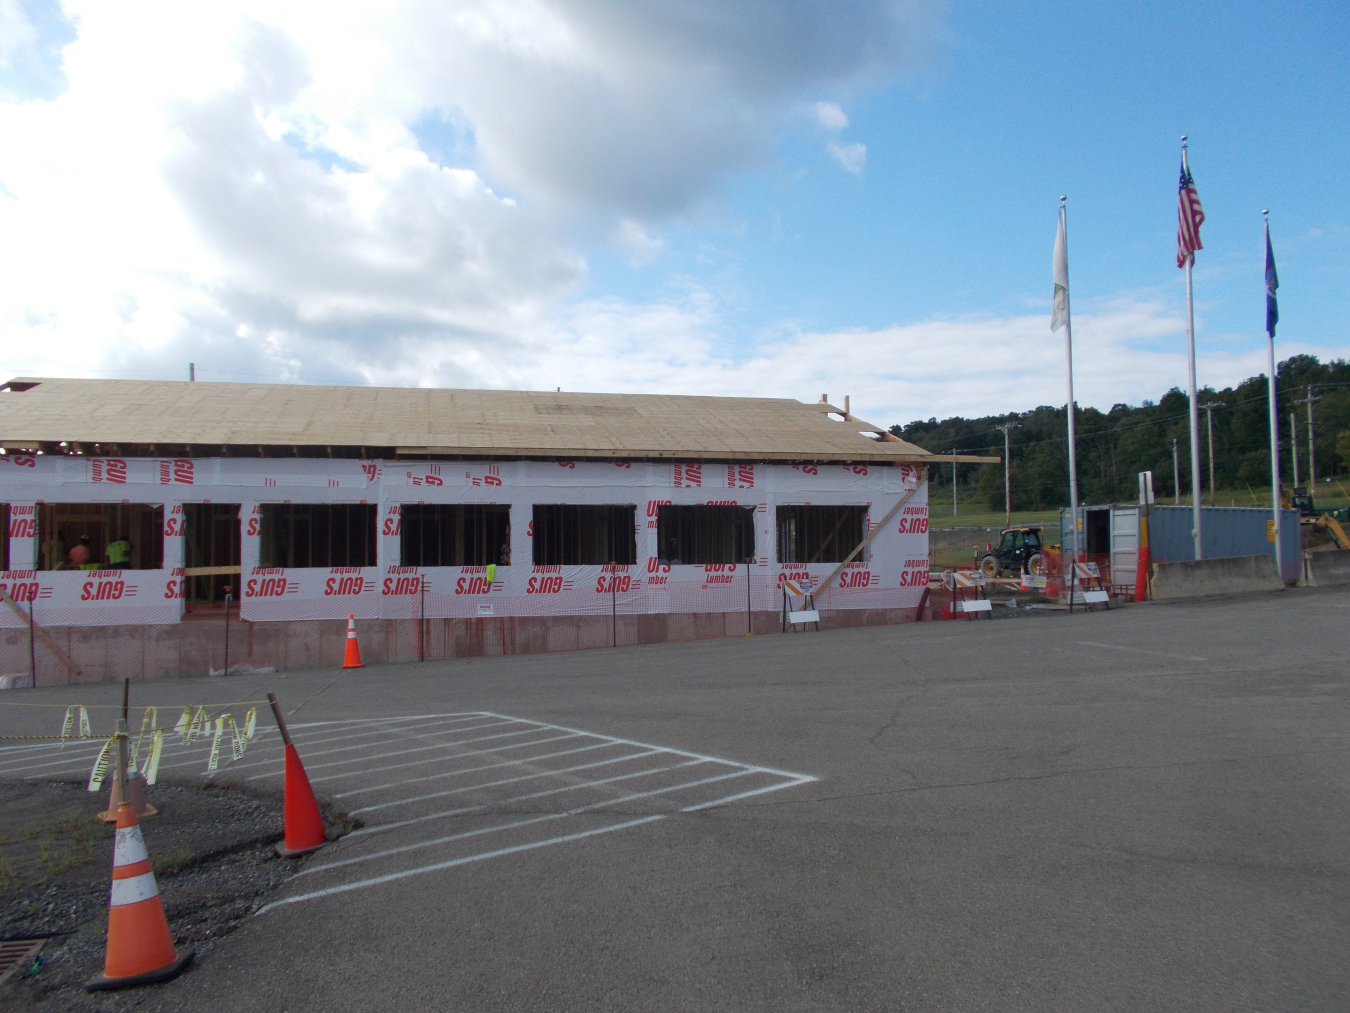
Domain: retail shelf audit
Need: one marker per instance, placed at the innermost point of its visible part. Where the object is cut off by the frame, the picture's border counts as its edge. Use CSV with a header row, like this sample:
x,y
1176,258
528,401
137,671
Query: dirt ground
x,y
211,852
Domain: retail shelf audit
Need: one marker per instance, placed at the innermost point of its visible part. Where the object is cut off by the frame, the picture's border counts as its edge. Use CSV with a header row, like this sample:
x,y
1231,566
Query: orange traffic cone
x,y
140,949
135,795
304,823
353,656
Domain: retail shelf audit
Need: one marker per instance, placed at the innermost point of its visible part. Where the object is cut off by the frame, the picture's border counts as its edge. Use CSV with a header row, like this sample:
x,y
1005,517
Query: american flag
x,y
1190,216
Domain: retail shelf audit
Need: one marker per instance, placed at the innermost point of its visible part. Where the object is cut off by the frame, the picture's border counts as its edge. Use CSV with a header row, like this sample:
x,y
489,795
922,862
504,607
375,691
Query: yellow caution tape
x,y
68,725
181,728
147,724
237,741
196,726
100,770
250,723
215,745
152,761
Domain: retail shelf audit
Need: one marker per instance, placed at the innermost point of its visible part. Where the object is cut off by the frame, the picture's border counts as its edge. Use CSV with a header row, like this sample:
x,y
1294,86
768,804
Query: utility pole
x,y
953,481
1007,480
1293,443
1176,477
1312,453
1209,425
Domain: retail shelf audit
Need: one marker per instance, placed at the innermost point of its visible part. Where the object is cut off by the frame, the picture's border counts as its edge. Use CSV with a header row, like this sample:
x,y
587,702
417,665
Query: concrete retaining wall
x,y
1232,575
190,648
1327,569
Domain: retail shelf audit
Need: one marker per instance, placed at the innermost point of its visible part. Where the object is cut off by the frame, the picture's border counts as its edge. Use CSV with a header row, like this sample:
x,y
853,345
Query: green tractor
x,y
1019,549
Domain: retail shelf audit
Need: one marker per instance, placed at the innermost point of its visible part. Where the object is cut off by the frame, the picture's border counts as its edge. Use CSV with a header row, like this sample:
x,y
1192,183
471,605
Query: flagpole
x,y
1274,424
1068,366
1195,406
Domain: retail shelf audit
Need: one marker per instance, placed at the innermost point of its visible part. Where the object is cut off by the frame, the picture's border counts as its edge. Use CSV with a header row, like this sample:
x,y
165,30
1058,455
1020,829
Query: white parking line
x,y
399,752
47,750
802,779
474,770
645,745
501,852
457,748
738,772
1139,650
509,780
537,819
362,745
391,877
456,756
405,730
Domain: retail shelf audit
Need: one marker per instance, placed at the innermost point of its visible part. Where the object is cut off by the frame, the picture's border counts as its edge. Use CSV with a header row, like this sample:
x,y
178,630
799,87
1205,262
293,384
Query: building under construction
x,y
150,521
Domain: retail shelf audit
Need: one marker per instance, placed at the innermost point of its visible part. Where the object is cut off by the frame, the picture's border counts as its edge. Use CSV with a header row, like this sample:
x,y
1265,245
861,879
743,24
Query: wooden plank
x,y
41,634
210,571
863,544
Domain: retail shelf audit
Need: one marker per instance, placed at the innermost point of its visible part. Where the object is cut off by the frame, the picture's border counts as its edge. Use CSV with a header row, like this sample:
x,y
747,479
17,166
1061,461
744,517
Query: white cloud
x,y
1128,350
16,32
242,185
851,156
635,243
243,181
830,116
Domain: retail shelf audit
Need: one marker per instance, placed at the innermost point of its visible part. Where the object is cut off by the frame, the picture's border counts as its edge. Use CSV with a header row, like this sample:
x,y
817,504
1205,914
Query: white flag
x,y
1059,316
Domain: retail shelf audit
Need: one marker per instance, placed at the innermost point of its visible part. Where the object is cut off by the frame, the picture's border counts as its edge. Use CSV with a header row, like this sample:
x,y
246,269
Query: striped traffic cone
x,y
353,656
140,949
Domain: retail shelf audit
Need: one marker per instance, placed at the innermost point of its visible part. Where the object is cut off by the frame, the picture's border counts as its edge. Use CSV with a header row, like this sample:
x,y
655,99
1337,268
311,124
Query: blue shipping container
x,y
1225,531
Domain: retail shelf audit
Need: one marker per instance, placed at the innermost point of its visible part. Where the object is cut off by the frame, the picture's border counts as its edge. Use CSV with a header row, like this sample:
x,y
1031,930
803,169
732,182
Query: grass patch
x,y
38,853
940,516
166,863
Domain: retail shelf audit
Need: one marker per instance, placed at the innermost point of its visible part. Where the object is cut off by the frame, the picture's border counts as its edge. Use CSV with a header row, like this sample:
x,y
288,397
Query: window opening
x,y
211,539
455,534
100,536
297,535
584,535
705,534
819,534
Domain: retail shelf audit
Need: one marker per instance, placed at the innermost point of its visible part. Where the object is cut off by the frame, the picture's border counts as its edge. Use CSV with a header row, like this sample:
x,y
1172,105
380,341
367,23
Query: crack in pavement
x,y
890,722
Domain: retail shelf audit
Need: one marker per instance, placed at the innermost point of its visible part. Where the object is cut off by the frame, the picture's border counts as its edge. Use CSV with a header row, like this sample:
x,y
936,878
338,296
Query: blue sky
x,y
718,198
954,213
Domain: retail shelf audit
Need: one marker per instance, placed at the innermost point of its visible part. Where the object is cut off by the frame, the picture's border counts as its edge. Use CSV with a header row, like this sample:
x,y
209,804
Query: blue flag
x,y
1272,283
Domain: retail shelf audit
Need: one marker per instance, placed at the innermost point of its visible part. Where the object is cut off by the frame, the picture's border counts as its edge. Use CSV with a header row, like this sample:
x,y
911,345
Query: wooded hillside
x,y
1114,446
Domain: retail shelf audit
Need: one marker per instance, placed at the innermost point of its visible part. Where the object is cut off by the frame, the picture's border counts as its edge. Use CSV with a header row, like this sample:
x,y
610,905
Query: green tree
x,y
1113,446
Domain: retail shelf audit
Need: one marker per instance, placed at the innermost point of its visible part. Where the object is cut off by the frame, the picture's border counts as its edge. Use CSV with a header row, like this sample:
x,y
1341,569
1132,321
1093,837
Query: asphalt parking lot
x,y
1141,809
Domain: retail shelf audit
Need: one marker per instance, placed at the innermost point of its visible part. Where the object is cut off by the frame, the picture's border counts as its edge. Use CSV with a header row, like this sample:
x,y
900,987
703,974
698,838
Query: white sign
x,y
977,605
812,616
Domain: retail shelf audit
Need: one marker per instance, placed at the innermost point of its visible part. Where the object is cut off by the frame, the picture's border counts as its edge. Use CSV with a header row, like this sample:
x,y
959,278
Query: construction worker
x,y
119,553
79,553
